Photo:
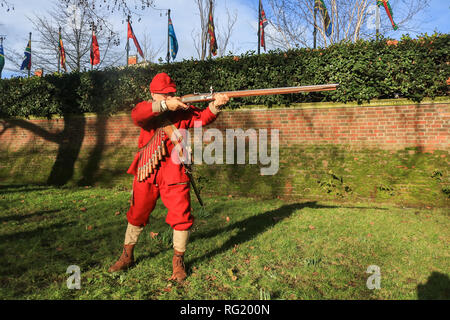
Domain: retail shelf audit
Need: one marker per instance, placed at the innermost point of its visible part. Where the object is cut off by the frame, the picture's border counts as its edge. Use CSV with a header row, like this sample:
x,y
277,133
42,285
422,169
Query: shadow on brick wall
x,y
95,156
69,141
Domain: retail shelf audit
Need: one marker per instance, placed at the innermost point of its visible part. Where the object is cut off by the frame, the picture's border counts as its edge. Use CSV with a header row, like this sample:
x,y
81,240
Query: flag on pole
x,y
388,9
136,43
320,5
262,23
212,35
62,53
26,64
2,58
95,51
173,40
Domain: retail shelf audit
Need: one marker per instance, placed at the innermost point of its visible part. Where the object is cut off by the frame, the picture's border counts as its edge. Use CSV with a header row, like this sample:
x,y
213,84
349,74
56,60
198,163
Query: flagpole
x,y
315,25
377,22
259,27
59,50
1,45
210,10
128,39
92,44
29,70
168,36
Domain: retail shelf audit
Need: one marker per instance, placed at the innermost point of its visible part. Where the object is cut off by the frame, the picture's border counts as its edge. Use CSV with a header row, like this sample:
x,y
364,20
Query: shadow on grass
x,y
437,287
252,227
32,260
17,188
35,216
17,260
36,234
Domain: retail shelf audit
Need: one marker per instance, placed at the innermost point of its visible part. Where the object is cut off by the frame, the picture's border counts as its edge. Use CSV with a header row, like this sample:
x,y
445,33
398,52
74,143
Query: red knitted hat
x,y
162,83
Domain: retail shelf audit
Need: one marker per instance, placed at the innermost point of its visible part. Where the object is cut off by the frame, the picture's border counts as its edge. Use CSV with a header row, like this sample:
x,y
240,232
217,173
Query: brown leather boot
x,y
179,272
125,261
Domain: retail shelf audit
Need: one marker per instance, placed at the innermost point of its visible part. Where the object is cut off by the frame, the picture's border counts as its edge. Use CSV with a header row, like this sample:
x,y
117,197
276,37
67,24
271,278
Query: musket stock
x,y
205,97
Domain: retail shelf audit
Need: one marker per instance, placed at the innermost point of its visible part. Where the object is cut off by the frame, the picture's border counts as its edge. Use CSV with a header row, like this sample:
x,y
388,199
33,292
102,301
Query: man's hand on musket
x,y
220,99
174,103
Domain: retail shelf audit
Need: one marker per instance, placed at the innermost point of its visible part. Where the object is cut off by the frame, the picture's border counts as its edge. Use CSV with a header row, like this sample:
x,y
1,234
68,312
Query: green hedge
x,y
366,70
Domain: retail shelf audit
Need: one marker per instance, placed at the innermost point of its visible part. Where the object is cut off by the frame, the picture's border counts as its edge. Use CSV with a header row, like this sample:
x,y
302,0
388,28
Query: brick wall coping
x,y
294,106
332,105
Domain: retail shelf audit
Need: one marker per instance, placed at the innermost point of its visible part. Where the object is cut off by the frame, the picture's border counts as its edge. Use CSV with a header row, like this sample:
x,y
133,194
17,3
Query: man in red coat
x,y
169,181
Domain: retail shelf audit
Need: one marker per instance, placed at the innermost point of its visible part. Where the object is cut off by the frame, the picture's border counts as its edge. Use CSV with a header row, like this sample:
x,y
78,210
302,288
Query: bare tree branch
x,y
122,6
201,38
7,5
150,52
223,32
292,21
76,32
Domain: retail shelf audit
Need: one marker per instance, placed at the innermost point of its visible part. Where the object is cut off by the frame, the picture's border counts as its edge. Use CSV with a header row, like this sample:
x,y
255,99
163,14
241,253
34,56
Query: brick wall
x,y
385,127
425,126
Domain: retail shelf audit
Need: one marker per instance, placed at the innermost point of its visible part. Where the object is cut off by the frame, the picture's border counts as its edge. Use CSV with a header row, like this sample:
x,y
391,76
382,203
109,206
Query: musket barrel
x,y
202,97
285,90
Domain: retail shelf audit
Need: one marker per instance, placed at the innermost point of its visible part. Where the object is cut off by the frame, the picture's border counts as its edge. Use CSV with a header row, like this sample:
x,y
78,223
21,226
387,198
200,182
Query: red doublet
x,y
169,181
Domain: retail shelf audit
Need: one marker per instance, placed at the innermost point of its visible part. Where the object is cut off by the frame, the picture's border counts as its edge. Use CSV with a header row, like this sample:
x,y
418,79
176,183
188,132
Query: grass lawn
x,y
240,248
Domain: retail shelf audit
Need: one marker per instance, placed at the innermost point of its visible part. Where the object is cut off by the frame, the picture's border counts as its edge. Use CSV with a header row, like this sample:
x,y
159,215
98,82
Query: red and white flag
x,y
95,51
262,24
136,43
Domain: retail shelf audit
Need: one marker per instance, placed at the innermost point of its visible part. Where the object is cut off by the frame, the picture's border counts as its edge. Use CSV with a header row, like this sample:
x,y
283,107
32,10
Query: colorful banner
x,y
136,43
26,64
95,50
262,23
320,6
173,40
387,7
62,53
212,35
2,58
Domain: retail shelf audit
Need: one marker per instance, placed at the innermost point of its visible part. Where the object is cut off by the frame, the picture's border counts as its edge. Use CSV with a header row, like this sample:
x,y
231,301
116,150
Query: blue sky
x,y
16,26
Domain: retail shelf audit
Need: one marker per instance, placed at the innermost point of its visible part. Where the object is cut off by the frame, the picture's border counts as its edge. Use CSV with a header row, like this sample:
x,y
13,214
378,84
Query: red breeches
x,y
175,197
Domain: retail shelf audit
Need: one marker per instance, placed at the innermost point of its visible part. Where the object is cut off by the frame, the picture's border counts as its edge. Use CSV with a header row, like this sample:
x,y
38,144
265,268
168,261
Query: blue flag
x,y
26,64
2,58
320,5
173,40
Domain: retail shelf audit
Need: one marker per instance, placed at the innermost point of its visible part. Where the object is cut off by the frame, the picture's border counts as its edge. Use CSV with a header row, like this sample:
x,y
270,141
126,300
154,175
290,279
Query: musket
x,y
185,157
206,97
151,154
188,171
